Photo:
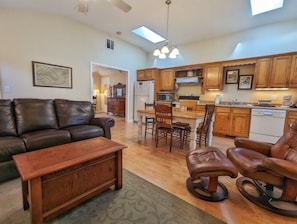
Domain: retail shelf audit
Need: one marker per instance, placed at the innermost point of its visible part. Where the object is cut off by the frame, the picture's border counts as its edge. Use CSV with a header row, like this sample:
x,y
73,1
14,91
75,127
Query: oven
x,y
165,96
267,125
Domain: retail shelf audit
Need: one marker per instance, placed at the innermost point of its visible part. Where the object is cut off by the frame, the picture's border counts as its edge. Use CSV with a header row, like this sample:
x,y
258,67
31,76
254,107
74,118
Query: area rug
x,y
137,202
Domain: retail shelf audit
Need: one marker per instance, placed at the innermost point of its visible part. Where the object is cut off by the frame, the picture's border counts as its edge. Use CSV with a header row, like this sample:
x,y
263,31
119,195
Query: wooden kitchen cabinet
x,y
116,106
222,120
147,74
200,108
213,78
293,73
291,116
262,72
232,121
167,79
240,124
280,71
273,72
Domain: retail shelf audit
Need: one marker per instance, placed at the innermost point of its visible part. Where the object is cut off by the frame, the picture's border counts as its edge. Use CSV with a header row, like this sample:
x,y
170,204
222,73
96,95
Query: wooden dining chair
x,y
164,124
203,129
149,125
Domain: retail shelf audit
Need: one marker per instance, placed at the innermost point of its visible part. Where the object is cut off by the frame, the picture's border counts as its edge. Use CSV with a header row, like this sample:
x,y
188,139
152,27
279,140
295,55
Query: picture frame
x,y
245,82
49,75
232,76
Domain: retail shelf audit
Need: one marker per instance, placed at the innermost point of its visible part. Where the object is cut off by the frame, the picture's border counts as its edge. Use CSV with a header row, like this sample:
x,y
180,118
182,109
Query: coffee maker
x,y
287,101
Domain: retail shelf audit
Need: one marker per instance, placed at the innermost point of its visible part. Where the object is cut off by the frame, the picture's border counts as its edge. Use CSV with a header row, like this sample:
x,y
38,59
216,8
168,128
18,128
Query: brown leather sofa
x,y
33,124
269,170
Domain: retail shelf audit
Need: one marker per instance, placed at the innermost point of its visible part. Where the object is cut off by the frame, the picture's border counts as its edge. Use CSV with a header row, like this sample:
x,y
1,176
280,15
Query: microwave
x,y
165,96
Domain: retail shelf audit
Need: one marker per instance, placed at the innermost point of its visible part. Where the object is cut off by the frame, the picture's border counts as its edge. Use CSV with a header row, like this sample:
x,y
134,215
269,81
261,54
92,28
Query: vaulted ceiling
x,y
189,20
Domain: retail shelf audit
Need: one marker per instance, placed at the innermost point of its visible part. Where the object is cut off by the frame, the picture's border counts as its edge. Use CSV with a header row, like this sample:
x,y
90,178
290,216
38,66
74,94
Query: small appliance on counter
x,y
287,101
265,103
217,99
165,96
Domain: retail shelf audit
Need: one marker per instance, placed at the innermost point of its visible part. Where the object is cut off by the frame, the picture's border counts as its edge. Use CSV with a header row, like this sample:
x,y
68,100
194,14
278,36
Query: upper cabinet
x,y
147,74
262,72
185,72
213,77
293,73
273,72
167,79
280,71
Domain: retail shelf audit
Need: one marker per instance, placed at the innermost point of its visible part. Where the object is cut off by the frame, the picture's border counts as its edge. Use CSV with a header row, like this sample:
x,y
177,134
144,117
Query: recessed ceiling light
x,y
260,6
147,34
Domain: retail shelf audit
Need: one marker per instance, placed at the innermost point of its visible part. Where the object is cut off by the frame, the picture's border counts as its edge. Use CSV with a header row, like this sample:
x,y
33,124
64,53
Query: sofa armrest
x,y
281,167
261,147
105,123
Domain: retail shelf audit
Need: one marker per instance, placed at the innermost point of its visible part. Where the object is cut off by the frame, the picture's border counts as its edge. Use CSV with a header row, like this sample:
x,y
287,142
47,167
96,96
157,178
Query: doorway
x,y
103,77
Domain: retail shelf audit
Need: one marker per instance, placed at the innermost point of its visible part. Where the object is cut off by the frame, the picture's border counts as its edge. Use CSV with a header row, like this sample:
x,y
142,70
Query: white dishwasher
x,y
267,125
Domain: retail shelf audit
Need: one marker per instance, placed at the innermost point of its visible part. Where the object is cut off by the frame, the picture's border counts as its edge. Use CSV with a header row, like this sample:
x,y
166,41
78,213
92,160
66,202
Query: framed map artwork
x,y
232,76
49,75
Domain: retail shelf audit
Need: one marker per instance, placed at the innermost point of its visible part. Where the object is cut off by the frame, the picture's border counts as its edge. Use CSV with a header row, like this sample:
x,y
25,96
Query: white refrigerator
x,y
144,93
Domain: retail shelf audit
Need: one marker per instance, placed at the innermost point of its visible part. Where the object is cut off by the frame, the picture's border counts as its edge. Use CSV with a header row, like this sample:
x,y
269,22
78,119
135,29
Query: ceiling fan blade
x,y
120,4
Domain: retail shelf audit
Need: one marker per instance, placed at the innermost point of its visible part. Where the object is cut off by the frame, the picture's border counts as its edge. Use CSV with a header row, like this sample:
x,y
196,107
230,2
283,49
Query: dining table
x,y
193,118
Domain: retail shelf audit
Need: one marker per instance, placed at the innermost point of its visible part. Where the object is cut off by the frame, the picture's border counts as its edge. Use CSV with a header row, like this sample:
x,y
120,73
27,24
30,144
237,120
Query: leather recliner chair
x,y
269,171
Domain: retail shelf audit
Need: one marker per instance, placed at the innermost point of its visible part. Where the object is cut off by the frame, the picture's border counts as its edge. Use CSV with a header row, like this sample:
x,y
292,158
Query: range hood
x,y
187,80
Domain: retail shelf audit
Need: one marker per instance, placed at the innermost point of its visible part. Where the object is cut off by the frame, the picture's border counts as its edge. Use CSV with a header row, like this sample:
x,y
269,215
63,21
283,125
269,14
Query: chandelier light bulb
x,y
172,55
157,52
165,49
175,51
162,56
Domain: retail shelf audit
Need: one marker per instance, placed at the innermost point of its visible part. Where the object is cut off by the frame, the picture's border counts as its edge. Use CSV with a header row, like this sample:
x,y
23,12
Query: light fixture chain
x,y
168,2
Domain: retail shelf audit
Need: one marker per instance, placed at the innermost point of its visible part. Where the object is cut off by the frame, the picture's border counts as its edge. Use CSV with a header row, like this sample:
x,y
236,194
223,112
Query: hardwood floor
x,y
169,171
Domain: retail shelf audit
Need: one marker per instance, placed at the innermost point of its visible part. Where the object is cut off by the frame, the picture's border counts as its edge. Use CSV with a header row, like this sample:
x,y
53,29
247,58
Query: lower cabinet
x,y
116,106
290,118
232,121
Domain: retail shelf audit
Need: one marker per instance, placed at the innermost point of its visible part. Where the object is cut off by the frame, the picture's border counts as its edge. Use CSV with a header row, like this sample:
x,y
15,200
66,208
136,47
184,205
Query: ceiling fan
x,y
83,5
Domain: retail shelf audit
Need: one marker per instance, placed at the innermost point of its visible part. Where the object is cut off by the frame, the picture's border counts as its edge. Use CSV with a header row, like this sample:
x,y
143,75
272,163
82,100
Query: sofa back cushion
x,y
35,114
7,119
72,113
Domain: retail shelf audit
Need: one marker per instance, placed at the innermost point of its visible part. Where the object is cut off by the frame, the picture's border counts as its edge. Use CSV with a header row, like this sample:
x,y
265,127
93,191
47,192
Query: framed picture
x,y
245,82
48,75
232,76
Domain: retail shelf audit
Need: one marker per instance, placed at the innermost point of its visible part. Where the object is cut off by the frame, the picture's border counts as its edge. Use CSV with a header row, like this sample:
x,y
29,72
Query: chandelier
x,y
172,51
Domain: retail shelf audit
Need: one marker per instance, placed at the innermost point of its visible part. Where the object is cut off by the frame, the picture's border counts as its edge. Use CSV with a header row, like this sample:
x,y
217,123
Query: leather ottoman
x,y
205,166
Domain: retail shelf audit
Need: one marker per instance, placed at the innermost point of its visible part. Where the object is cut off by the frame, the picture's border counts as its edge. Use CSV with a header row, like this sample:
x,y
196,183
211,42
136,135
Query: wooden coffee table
x,y
58,178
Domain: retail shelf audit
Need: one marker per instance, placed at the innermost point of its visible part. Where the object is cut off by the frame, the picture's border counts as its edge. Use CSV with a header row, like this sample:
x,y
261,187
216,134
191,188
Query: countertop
x,y
248,105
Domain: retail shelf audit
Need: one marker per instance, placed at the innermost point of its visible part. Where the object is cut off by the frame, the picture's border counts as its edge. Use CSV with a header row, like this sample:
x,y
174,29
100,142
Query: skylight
x,y
260,6
146,33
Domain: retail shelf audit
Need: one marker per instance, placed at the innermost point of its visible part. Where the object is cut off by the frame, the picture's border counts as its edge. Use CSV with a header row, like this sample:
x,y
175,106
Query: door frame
x,y
127,98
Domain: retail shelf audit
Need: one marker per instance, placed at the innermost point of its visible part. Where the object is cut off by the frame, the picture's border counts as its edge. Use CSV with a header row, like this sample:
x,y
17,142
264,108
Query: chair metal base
x,y
199,189
255,192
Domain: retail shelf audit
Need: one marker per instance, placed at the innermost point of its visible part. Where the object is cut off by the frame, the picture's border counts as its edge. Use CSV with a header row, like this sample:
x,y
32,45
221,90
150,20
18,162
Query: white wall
x,y
27,36
270,39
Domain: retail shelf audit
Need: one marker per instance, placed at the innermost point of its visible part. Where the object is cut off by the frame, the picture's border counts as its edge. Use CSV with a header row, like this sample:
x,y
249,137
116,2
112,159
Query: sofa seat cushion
x,y
10,146
80,132
45,138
